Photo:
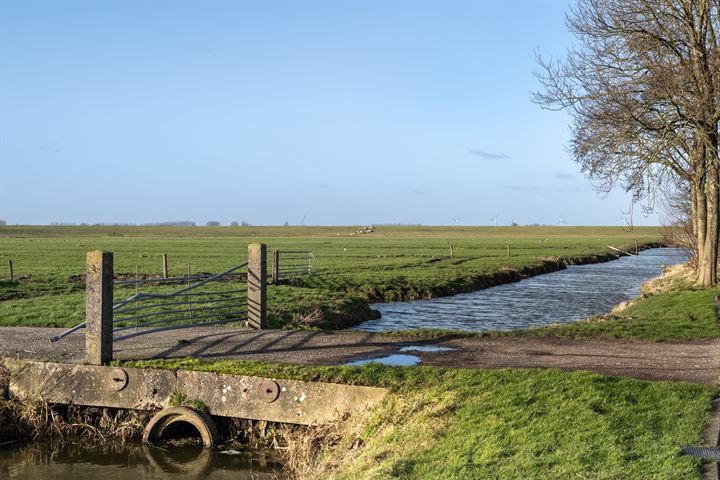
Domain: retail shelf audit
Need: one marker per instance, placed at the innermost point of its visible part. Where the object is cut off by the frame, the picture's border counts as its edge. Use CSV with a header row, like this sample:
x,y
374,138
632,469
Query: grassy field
x,y
439,423
392,263
478,424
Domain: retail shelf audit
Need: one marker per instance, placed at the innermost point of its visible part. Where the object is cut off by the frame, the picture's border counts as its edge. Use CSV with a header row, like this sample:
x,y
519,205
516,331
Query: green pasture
x,y
56,253
391,263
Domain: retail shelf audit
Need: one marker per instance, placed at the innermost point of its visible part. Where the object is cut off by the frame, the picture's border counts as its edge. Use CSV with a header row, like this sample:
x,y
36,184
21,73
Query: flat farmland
x,y
349,269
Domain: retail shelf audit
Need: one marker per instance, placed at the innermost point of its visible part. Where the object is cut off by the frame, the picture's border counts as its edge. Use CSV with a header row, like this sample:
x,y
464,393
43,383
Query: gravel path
x,y
695,361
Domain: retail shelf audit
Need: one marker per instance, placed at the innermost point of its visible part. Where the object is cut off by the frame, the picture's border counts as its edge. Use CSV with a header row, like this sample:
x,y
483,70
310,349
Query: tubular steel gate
x,y
215,299
290,264
234,295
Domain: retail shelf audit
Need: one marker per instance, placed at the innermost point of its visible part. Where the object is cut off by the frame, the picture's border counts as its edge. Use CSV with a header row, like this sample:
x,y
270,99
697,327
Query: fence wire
x,y
291,264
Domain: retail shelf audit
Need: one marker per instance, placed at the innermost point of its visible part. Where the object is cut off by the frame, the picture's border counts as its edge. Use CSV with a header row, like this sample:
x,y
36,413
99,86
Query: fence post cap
x,y
98,254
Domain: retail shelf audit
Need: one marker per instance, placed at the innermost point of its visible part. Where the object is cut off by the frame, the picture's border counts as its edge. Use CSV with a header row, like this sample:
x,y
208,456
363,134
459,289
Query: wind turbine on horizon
x,y
562,220
457,221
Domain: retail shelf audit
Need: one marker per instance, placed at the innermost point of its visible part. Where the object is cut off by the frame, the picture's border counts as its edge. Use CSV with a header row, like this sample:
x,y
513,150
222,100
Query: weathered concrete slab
x,y
96,386
287,401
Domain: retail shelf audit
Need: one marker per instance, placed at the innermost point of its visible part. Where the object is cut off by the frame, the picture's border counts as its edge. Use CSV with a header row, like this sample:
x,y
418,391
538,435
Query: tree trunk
x,y
697,213
708,218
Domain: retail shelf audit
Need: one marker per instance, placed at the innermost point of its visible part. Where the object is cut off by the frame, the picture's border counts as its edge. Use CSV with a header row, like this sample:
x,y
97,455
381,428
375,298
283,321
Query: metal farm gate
x,y
236,295
290,264
213,299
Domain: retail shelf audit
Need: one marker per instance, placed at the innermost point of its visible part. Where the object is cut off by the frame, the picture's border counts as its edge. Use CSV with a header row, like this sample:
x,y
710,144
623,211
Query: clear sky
x,y
347,112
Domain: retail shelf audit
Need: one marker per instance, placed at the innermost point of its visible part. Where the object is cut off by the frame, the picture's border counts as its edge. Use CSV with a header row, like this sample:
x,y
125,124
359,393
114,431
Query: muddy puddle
x,y
393,360
402,358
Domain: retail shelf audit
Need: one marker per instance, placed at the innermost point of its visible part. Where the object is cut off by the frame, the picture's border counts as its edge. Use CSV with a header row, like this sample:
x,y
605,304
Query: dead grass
x,y
369,441
674,278
33,420
4,382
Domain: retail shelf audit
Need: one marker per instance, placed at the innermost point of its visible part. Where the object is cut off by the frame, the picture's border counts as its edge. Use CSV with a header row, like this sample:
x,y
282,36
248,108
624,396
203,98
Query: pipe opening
x,y
180,430
182,422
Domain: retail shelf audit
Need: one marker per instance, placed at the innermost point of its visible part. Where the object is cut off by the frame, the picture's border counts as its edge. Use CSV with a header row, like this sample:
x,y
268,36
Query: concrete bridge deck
x,y
695,361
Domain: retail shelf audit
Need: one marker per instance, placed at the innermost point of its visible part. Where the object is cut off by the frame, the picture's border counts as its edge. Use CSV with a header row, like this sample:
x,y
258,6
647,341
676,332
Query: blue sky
x,y
347,112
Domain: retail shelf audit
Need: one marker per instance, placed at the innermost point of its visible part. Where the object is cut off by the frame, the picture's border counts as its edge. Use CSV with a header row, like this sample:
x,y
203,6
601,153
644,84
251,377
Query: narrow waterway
x,y
560,297
45,461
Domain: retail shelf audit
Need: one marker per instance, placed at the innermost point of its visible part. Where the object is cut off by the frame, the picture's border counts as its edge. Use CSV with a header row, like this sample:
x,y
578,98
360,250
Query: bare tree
x,y
642,87
677,219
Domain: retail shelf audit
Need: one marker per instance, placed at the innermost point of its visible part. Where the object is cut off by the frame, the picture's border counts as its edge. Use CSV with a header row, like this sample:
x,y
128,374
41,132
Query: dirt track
x,y
696,361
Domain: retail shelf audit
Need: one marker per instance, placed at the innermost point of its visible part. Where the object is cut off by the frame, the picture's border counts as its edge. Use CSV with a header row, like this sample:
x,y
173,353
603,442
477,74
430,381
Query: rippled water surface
x,y
559,297
43,461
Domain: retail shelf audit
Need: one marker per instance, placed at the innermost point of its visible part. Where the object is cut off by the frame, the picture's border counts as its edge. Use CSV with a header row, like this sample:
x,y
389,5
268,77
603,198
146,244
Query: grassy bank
x,y
664,317
455,423
673,316
670,309
391,263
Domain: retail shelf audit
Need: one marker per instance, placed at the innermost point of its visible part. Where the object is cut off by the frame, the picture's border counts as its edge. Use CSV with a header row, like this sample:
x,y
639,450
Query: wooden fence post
x,y
257,286
12,274
98,308
275,267
165,265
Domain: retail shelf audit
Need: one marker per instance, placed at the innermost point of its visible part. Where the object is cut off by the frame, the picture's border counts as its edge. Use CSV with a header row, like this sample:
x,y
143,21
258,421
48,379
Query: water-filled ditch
x,y
45,461
564,296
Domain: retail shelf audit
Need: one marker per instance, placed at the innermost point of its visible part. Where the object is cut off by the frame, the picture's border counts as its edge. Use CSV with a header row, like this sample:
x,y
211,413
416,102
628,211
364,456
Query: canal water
x,y
560,297
44,461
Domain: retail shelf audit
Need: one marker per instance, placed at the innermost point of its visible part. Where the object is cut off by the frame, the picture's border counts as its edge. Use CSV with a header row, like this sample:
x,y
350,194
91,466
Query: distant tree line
x,y
182,223
397,224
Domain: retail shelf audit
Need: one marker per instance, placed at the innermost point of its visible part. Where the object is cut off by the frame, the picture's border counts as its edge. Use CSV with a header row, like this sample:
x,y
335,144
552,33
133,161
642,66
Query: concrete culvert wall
x,y
169,420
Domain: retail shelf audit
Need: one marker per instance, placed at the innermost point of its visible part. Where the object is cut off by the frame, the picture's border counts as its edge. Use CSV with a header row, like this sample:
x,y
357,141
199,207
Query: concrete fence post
x,y
98,308
257,286
165,265
275,267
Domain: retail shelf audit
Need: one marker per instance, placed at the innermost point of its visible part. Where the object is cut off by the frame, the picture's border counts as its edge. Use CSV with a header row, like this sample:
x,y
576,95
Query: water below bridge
x,y
564,296
45,461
